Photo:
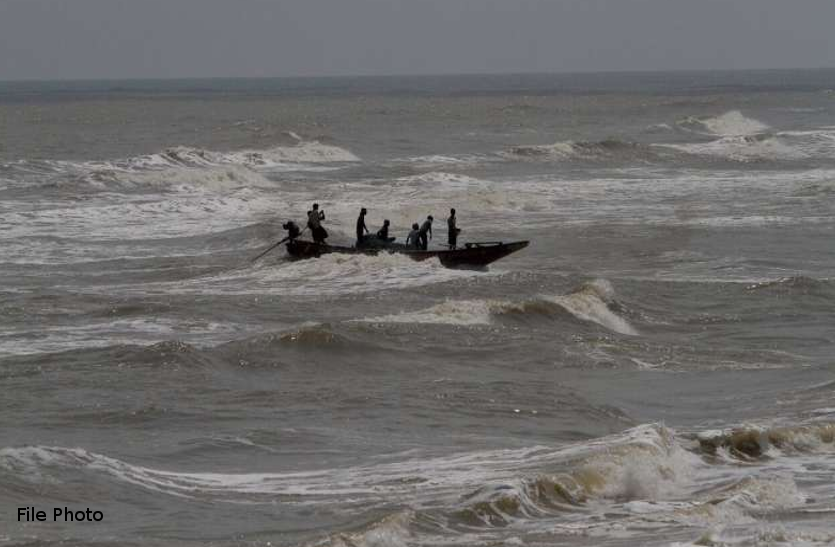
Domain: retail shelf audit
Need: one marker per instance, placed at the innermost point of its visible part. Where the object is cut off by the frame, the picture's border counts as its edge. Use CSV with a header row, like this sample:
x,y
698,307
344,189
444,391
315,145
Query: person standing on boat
x,y
414,236
361,227
453,230
314,222
426,228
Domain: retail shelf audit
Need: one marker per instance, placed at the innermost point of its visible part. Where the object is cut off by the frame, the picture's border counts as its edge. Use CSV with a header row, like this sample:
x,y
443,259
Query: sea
x,y
656,368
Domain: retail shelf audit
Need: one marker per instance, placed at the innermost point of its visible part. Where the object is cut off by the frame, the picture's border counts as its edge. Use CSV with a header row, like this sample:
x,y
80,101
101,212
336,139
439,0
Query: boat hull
x,y
472,255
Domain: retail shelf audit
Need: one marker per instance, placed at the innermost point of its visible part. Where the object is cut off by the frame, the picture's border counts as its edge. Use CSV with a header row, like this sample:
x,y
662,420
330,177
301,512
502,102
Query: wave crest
x,y
581,150
731,123
183,164
745,148
591,302
752,443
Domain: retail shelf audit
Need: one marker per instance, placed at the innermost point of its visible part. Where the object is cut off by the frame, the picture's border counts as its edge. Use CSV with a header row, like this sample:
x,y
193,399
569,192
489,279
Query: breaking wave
x,y
744,139
755,442
581,150
745,148
729,137
589,303
602,468
646,476
182,162
184,180
731,123
184,156
649,475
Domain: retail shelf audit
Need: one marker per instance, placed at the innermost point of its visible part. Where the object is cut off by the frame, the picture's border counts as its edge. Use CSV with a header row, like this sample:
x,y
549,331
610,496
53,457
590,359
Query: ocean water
x,y
655,369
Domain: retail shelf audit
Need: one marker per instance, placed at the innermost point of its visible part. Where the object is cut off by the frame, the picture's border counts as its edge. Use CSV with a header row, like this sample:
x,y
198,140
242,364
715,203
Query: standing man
x,y
361,228
453,230
426,228
314,222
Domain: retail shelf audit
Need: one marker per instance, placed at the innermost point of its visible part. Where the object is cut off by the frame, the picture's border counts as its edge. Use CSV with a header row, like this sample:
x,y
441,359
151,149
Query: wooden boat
x,y
472,255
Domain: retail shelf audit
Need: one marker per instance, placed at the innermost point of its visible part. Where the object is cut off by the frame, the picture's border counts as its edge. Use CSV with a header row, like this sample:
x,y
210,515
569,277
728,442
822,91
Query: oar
x,y
277,244
270,249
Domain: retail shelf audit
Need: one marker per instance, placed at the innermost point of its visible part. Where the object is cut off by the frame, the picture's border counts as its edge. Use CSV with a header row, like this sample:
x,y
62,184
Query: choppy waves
x,y
174,165
330,274
746,139
784,146
643,480
609,148
730,137
373,400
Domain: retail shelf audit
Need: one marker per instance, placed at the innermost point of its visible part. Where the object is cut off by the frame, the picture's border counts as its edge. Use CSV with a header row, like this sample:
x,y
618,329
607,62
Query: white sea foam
x,y
745,148
140,331
211,178
746,139
731,123
165,216
443,160
182,162
441,179
330,274
774,146
279,156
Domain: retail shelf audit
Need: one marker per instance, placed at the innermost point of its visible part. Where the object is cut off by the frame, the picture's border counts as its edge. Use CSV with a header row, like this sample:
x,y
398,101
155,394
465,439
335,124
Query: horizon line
x,y
416,75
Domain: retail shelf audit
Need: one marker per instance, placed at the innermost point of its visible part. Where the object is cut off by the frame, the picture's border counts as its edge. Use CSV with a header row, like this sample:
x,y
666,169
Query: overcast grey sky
x,y
58,39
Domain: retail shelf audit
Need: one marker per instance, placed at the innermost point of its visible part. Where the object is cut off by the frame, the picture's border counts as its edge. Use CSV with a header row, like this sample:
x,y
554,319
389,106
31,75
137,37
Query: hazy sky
x,y
181,38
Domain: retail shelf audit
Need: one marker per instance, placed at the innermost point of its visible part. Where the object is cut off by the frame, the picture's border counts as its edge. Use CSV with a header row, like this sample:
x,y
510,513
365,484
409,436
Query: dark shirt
x,y
361,229
314,218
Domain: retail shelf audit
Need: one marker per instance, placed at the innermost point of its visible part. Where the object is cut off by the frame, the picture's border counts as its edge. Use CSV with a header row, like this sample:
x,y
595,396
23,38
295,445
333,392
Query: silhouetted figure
x,y
414,236
314,222
425,229
293,230
383,233
452,224
361,228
